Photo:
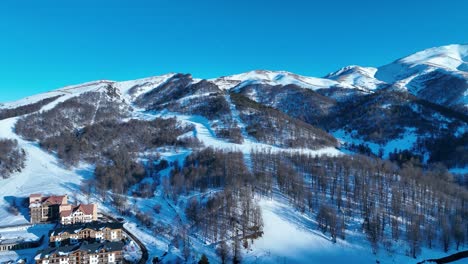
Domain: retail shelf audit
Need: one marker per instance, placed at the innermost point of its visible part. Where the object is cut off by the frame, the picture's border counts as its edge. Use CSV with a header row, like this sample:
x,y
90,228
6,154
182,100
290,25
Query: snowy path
x,y
205,134
240,123
97,108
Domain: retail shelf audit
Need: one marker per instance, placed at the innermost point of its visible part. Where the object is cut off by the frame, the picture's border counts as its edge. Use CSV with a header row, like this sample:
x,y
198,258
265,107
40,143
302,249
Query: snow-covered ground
x,y
405,142
292,237
44,173
26,233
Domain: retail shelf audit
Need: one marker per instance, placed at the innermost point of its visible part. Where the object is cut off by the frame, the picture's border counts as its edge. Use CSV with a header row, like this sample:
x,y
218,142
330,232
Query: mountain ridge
x,y
404,73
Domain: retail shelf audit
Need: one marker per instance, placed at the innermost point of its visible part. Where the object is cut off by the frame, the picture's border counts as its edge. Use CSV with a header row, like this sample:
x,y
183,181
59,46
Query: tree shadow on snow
x,y
18,206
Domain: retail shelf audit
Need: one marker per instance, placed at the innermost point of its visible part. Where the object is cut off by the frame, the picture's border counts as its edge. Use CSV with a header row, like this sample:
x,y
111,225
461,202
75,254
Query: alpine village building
x,y
89,243
84,253
45,209
90,232
80,239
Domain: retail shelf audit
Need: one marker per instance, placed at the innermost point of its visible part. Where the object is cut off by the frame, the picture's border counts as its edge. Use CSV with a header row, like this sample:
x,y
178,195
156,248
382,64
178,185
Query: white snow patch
x,y
274,78
405,142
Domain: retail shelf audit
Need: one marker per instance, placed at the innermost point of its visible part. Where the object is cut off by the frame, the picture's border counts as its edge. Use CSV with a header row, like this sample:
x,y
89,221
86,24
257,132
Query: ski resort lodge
x,y
45,209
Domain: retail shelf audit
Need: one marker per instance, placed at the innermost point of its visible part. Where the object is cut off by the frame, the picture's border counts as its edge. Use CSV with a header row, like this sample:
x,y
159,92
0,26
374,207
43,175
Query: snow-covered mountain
x,y
69,136
356,76
438,75
453,58
274,78
440,68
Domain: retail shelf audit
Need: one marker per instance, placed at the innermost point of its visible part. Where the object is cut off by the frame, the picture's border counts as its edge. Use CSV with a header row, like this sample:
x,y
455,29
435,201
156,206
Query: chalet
x,y
44,209
89,253
90,232
83,213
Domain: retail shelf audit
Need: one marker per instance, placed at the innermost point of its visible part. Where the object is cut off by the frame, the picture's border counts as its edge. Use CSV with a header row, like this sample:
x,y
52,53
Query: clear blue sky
x,y
48,44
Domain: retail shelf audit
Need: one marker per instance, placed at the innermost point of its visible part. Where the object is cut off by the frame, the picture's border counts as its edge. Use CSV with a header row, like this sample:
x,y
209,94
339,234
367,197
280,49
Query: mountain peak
x,y
451,57
354,75
368,71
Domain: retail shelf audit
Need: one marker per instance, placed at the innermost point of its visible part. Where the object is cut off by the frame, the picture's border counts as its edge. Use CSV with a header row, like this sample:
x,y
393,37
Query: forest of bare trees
x,y
12,157
93,143
226,212
274,127
390,204
407,203
71,115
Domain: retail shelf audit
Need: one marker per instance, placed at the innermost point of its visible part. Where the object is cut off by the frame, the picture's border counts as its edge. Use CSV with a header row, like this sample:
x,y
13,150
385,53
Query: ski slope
x,y
292,237
43,173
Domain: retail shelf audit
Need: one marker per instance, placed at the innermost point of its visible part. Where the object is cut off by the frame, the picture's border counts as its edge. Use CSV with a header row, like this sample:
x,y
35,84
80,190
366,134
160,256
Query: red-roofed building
x,y
83,213
44,209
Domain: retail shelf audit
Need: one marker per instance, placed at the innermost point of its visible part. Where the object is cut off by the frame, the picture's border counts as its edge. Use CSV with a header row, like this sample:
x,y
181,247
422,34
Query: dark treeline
x,y
422,208
26,109
93,142
118,171
215,187
304,104
118,167
70,115
228,214
213,107
210,168
116,147
449,149
12,157
274,127
401,157
373,122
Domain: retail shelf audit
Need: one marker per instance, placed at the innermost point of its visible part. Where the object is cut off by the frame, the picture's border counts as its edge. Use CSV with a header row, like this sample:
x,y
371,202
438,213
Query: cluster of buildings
x,y
90,232
46,209
87,243
80,238
86,253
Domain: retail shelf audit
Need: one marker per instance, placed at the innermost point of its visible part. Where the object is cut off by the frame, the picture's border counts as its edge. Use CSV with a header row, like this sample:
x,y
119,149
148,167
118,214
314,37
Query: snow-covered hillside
x,y
384,109
437,74
452,58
